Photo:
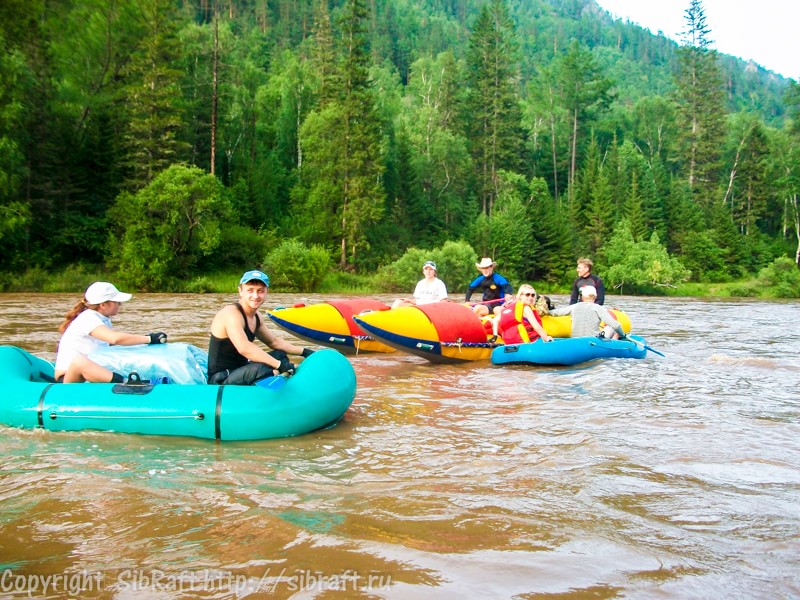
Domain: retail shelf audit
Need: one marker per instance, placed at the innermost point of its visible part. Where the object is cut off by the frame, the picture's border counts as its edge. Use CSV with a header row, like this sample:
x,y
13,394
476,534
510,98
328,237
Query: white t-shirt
x,y
76,339
428,291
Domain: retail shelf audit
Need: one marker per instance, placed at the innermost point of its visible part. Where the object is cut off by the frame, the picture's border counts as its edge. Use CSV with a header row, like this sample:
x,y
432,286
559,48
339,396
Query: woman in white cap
x,y
87,328
492,286
429,289
587,316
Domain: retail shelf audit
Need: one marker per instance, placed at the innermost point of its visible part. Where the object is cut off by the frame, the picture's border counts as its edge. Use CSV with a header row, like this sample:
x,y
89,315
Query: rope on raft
x,y
469,344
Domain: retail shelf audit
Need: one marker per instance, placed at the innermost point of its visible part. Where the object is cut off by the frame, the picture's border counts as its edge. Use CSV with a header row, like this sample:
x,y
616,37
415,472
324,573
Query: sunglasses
x,y
529,294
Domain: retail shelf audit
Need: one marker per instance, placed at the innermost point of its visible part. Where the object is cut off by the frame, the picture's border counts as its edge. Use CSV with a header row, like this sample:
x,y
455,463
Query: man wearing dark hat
x,y
233,356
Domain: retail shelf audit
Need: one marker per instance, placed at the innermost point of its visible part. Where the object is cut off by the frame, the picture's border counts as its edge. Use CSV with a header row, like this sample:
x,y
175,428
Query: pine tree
x,y
586,180
597,216
634,211
341,191
494,110
323,55
363,194
701,106
553,233
643,208
152,94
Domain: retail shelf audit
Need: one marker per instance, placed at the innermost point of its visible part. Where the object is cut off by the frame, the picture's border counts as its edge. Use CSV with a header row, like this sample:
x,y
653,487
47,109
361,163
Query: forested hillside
x,y
163,137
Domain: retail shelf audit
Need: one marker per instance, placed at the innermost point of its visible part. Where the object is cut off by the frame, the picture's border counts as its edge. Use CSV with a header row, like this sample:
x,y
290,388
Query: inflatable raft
x,y
568,351
442,332
316,396
447,332
331,324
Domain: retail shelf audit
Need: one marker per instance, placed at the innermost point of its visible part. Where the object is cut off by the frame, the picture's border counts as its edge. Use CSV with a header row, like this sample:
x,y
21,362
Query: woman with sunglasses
x,y
519,321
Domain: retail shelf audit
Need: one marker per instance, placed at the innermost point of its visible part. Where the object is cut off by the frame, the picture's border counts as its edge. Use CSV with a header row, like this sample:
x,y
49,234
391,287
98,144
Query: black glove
x,y
286,366
159,337
307,352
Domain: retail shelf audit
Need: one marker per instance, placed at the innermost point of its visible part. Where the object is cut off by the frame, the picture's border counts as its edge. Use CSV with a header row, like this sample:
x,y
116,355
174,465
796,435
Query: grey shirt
x,y
586,318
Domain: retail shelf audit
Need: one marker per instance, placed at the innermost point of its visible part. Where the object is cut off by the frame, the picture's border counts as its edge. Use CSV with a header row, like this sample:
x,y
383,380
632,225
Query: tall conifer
x,y
494,110
701,106
152,98
363,193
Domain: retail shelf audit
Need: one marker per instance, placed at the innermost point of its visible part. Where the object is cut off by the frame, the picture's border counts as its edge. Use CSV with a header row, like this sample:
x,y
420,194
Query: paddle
x,y
275,382
484,301
645,346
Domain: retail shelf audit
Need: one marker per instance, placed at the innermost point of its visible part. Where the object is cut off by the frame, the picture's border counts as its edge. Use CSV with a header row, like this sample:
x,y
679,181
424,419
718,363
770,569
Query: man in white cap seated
x,y
430,289
587,316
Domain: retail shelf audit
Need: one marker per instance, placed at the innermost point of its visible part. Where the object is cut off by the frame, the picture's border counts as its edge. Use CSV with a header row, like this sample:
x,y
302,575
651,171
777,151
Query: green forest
x,y
162,140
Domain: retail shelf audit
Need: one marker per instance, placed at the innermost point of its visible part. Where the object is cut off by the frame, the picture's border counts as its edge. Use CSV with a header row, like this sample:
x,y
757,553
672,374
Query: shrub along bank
x,y
641,268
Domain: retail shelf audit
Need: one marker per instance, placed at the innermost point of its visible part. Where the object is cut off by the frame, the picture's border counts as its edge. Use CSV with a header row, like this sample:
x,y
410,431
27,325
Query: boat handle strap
x,y
218,414
40,407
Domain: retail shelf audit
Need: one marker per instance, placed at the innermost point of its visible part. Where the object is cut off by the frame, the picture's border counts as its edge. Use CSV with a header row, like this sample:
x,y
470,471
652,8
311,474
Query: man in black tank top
x,y
233,356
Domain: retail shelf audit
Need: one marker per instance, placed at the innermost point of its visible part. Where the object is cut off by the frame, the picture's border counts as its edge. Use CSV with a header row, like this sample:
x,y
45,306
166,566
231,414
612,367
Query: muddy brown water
x,y
674,477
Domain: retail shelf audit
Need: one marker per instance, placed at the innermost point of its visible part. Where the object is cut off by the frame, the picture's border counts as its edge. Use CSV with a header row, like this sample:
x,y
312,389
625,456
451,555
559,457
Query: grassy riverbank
x,y
77,278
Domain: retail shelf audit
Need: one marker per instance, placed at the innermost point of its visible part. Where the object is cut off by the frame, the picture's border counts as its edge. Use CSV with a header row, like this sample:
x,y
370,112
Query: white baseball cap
x,y
588,290
102,291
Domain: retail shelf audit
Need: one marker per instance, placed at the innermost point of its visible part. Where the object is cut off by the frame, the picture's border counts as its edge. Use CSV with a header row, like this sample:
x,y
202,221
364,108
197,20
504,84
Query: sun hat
x,y
255,276
485,263
102,291
588,290
429,263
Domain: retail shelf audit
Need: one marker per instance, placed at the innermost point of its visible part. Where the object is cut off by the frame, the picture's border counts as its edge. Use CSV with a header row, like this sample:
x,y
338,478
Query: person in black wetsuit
x,y
492,286
585,277
233,356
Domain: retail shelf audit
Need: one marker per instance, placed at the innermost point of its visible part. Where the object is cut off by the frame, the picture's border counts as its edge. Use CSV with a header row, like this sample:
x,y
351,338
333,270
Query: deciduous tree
x,y
163,230
584,91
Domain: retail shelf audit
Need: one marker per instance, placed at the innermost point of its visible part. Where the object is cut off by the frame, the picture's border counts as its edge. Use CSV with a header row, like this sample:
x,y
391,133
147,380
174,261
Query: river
x,y
673,477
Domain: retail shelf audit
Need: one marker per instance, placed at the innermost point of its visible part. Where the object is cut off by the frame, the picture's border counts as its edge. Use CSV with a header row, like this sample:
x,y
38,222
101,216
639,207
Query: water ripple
x,y
672,476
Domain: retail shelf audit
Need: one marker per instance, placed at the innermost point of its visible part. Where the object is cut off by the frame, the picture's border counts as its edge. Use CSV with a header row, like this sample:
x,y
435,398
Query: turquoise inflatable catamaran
x,y
316,396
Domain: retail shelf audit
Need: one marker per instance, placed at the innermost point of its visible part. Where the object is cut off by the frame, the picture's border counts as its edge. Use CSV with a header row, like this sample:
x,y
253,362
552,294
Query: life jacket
x,y
514,327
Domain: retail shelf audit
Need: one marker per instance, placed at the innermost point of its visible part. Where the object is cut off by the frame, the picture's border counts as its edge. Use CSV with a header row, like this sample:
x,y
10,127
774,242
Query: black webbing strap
x,y
218,414
40,407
